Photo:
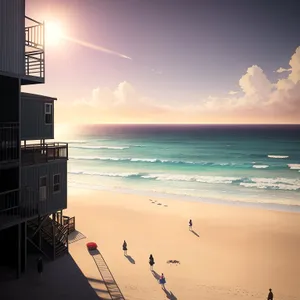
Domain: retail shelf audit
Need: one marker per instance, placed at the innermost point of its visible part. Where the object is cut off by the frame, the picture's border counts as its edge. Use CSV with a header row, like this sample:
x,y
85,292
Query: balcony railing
x,y
34,48
19,205
43,153
34,64
9,142
9,207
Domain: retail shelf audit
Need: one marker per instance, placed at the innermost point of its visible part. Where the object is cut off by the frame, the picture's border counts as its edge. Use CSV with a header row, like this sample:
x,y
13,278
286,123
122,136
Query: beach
x,y
233,252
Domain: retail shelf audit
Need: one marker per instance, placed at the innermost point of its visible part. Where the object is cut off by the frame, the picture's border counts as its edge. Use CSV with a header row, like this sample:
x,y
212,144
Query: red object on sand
x,y
91,246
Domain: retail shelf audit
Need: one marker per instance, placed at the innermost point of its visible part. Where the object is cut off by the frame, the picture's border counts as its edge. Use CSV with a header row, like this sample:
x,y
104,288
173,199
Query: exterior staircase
x,y
54,236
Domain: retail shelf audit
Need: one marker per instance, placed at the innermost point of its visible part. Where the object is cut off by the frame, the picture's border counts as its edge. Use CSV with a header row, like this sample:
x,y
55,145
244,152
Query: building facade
x,y
33,169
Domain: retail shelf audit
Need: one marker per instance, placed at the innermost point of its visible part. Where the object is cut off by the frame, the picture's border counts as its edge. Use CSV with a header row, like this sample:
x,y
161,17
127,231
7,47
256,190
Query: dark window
x,y
43,188
48,113
56,183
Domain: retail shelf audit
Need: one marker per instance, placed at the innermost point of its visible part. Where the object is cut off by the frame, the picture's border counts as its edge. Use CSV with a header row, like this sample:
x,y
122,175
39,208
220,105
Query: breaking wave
x,y
294,166
100,147
260,166
184,162
247,182
278,156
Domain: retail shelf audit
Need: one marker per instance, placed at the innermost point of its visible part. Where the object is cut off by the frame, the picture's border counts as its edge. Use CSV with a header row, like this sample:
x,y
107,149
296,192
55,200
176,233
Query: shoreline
x,y
235,203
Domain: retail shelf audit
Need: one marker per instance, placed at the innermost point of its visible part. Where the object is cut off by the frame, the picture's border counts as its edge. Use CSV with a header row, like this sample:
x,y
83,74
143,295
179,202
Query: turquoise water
x,y
251,164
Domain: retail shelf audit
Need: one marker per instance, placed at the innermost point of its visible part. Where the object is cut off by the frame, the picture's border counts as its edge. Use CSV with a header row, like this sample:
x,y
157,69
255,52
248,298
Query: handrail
x,y
32,20
8,192
44,146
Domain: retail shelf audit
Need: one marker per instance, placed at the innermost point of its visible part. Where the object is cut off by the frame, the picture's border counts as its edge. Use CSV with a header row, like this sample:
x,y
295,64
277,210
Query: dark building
x,y
33,170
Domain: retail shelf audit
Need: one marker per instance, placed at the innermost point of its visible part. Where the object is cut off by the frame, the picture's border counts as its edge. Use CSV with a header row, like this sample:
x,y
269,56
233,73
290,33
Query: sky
x,y
171,61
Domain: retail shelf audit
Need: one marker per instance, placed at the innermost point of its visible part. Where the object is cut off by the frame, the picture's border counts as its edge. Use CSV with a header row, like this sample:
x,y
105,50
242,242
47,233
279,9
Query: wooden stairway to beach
x,y
60,235
110,283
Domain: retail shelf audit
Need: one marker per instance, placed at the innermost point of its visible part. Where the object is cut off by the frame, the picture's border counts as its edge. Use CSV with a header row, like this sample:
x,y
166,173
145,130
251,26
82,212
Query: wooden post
x,y
53,239
40,235
19,252
25,246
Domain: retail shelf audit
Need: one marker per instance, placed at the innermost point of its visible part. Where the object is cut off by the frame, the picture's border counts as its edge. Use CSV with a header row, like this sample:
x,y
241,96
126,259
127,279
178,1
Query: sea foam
x,y
294,166
278,156
101,147
260,166
106,174
279,183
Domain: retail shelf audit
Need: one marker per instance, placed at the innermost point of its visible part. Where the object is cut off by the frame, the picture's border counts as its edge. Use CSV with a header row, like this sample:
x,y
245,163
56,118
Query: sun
x,y
53,33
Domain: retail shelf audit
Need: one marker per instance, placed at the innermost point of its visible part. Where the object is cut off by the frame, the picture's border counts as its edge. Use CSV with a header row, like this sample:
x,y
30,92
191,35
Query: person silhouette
x,y
162,280
151,261
270,296
40,266
125,247
190,225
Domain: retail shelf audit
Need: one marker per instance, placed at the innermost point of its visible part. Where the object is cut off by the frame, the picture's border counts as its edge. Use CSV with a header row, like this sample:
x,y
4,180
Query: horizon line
x,y
237,124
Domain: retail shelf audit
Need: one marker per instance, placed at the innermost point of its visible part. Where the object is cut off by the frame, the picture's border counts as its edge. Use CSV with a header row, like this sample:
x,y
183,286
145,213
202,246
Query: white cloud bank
x,y
259,101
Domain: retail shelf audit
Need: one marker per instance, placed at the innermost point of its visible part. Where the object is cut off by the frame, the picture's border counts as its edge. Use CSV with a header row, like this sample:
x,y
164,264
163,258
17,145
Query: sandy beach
x,y
233,253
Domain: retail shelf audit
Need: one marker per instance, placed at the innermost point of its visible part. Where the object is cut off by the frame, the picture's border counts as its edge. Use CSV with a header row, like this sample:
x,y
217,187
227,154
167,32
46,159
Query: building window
x,y
48,113
43,188
56,183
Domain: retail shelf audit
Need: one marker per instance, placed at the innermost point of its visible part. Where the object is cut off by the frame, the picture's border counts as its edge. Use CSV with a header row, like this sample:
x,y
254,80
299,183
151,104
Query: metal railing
x,y
34,34
70,222
34,48
9,142
20,204
34,64
9,203
43,153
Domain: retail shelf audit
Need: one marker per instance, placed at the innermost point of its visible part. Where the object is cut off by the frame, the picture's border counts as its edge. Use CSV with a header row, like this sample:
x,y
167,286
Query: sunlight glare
x,y
53,33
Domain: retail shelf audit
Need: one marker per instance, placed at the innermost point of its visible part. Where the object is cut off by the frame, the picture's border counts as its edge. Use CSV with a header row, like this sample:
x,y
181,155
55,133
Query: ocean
x,y
240,164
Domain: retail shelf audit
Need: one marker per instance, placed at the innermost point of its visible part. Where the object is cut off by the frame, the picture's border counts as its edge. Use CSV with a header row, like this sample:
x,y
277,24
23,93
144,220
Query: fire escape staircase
x,y
48,236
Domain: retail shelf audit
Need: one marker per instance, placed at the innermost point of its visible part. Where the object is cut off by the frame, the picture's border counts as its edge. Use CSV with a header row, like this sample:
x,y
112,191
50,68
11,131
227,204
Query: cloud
x,y
121,104
295,67
258,101
232,92
281,70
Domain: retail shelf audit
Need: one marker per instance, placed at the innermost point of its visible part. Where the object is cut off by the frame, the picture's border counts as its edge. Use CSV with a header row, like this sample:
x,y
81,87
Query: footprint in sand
x,y
165,205
158,203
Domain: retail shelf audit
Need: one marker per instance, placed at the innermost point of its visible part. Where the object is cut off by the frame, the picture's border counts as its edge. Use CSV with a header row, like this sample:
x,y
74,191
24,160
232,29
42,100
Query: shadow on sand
x,y
195,233
75,236
94,252
156,276
130,259
169,294
108,278
62,279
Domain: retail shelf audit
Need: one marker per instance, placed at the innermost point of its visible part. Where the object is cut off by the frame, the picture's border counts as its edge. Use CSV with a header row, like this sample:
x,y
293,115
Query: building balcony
x,y
19,205
9,207
43,153
9,142
34,52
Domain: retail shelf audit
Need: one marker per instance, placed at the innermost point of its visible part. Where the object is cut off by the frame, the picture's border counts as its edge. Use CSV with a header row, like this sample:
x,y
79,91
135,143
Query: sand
x,y
233,253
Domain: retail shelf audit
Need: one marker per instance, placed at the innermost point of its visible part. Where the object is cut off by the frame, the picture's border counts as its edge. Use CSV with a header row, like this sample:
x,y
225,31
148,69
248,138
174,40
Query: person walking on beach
x,y
270,296
190,225
125,247
40,266
162,280
151,261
